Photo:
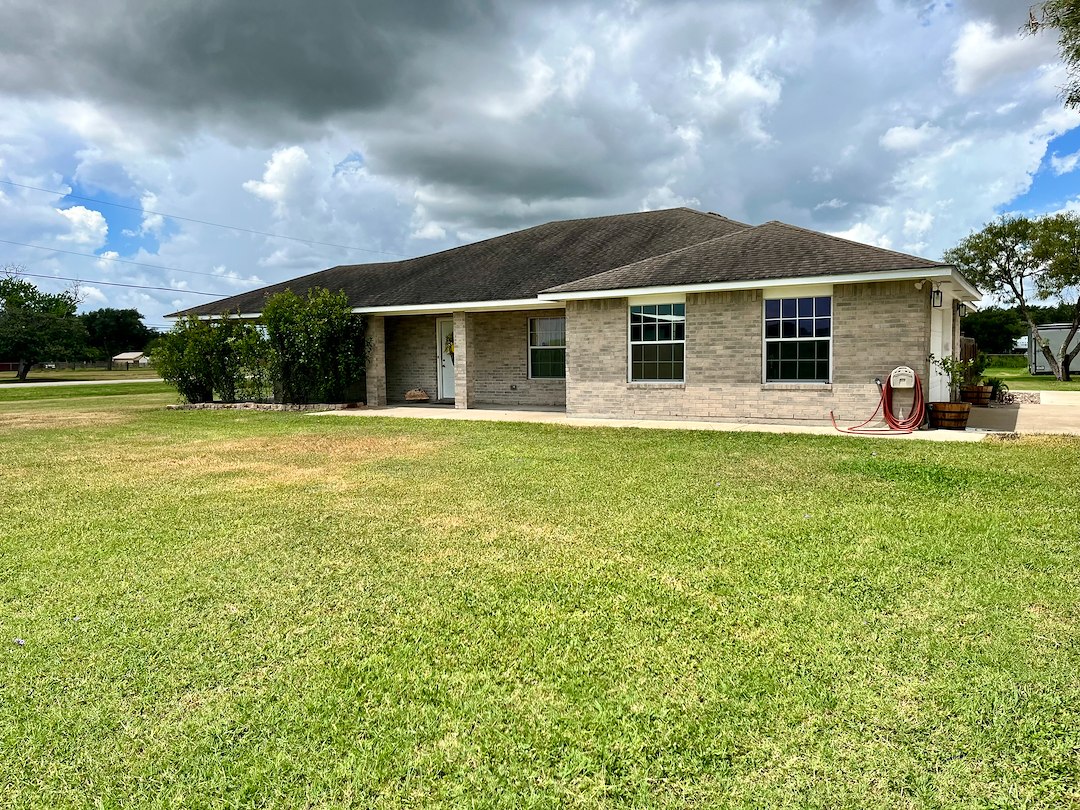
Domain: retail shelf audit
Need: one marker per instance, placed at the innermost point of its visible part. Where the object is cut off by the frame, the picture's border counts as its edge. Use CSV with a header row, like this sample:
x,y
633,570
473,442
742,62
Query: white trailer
x,y
1054,334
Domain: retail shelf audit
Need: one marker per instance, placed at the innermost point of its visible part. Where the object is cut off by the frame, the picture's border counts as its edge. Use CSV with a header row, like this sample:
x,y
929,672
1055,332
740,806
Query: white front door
x,y
445,334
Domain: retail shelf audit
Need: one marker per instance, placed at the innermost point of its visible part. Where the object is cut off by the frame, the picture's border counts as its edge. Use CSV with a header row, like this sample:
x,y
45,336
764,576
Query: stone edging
x,y
262,406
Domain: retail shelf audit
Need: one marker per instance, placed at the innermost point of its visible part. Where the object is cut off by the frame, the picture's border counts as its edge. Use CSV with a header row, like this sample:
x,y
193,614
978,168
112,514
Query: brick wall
x,y
376,361
499,354
410,355
496,371
876,327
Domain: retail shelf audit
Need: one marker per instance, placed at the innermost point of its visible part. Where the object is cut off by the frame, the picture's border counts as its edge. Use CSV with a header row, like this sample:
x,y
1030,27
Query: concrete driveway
x,y
1058,412
50,383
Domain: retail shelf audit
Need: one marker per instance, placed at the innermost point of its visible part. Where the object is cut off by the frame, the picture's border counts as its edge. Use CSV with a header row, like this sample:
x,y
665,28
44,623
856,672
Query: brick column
x,y
464,382
376,362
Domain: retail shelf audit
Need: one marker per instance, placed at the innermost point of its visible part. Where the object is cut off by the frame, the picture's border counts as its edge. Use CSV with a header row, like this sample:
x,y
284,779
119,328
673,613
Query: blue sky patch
x,y
1051,188
124,224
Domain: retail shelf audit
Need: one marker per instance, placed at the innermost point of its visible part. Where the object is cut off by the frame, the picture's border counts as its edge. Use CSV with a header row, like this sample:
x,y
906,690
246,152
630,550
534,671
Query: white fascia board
x,y
217,317
970,291
427,309
461,306
943,273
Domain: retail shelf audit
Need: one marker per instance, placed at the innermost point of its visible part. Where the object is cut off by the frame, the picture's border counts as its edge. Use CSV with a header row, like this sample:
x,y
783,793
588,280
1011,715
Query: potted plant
x,y
999,389
972,387
952,415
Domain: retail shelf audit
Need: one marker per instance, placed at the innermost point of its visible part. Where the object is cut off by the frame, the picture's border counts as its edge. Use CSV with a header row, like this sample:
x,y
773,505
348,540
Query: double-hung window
x,y
798,339
547,348
657,342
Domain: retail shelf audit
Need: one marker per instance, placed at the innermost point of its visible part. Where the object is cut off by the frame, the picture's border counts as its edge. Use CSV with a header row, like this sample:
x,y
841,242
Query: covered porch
x,y
468,358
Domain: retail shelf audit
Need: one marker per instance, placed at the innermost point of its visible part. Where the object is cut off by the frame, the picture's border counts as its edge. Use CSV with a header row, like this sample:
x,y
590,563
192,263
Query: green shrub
x,y
204,358
317,348
305,350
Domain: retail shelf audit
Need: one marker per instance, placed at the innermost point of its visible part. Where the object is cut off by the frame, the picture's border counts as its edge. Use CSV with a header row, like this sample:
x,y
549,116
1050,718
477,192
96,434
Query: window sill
x,y
658,384
794,386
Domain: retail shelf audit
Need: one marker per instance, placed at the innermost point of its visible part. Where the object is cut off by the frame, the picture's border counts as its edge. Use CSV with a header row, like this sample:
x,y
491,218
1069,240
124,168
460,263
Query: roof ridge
x,y
853,242
666,253
714,215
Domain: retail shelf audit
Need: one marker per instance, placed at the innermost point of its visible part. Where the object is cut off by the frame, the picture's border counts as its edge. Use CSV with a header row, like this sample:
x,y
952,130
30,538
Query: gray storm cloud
x,y
462,118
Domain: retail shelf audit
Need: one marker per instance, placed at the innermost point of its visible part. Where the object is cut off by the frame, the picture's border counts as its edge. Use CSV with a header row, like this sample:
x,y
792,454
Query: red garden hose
x,y
906,425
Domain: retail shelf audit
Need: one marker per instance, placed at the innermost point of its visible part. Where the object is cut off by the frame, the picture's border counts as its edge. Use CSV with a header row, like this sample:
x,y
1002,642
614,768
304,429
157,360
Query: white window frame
x,y
630,343
796,293
530,347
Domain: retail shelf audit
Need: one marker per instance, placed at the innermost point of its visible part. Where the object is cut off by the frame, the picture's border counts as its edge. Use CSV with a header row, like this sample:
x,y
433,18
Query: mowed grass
x,y
1018,379
27,393
235,609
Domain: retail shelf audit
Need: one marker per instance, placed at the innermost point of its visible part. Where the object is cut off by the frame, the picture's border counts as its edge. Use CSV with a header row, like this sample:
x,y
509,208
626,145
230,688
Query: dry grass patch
x,y
265,462
37,420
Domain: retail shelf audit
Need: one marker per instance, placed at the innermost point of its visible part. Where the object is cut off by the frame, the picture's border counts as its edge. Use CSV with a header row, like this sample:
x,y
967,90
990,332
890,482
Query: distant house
x,y
662,314
129,359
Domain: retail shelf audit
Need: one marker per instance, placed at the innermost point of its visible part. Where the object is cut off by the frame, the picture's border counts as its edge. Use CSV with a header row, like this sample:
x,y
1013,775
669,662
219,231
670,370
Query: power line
x,y
118,284
198,221
112,259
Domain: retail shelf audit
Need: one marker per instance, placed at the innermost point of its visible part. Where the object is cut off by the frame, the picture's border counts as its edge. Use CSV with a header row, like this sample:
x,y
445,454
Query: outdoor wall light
x,y
935,298
961,309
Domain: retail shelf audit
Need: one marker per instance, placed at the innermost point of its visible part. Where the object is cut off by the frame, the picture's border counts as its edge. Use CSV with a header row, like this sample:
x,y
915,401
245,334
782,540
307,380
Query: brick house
x,y
661,314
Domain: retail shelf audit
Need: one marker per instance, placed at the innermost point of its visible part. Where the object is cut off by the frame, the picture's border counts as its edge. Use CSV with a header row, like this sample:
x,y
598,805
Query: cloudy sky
x,y
374,129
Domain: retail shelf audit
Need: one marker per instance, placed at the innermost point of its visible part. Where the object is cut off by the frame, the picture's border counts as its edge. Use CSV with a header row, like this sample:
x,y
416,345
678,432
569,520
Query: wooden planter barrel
x,y
977,395
949,415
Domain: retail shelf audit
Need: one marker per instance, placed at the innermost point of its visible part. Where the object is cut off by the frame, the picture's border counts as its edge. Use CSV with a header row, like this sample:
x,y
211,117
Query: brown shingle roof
x,y
770,251
516,265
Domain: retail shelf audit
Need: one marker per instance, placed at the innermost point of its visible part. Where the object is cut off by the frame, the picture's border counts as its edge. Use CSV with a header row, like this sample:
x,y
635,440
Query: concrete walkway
x,y
79,382
1058,412
556,416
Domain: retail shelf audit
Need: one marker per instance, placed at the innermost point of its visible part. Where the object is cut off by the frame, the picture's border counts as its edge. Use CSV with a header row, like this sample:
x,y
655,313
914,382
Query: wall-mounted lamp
x,y
935,298
961,309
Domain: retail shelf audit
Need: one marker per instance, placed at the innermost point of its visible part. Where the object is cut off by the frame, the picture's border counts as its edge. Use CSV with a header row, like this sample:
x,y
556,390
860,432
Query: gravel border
x,y
1022,398
263,406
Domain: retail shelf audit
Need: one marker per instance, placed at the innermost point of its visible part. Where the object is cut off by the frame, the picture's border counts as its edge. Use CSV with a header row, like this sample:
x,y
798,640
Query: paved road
x,y
79,382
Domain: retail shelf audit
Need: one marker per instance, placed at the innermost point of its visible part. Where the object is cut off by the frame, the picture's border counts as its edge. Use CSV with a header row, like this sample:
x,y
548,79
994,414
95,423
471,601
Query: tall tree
x,y
1062,16
111,331
36,326
995,330
1018,258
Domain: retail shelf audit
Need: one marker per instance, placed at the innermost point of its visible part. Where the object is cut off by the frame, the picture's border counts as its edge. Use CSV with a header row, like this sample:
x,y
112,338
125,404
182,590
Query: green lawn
x,y
1018,379
243,609
25,393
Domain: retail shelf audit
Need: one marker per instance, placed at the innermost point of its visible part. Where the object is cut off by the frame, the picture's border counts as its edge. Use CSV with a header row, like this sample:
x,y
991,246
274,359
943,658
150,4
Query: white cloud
x,y
86,227
430,230
666,197
906,139
104,262
863,232
1065,163
917,223
741,95
833,204
92,295
980,57
286,173
151,223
